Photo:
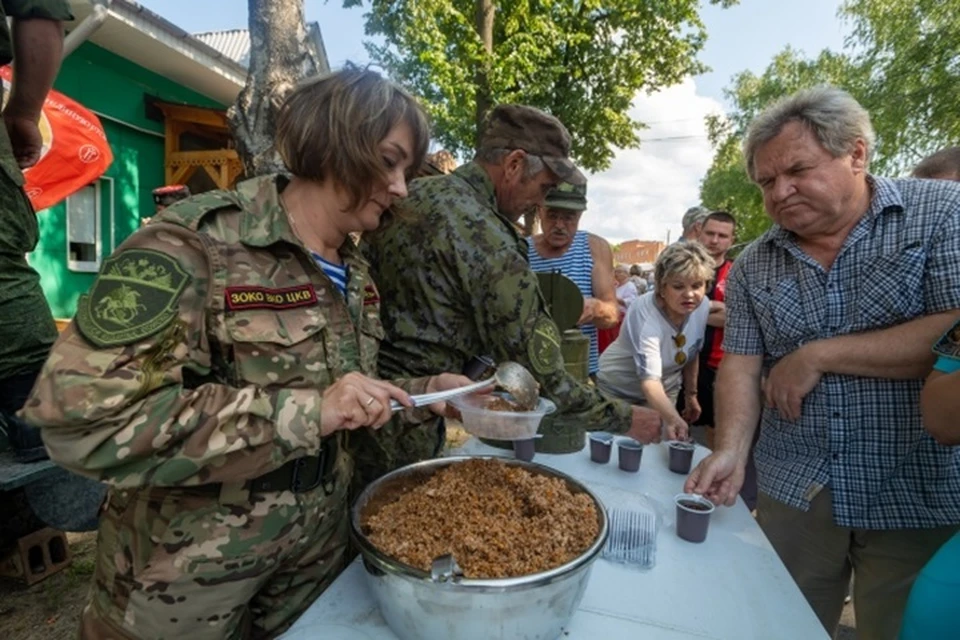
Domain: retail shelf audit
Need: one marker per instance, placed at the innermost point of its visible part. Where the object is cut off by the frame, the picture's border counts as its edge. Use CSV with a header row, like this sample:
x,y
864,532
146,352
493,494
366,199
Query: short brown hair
x,y
720,216
945,162
331,126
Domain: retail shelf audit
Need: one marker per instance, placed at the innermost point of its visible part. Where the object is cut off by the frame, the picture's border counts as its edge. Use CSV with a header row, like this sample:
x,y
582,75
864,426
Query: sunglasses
x,y
679,341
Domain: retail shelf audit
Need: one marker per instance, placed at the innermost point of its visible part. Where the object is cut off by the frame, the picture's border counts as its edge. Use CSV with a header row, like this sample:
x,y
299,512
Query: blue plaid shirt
x,y
863,437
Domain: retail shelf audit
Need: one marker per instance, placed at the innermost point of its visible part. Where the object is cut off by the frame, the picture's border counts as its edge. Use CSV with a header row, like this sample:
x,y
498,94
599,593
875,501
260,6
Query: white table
x,y
731,587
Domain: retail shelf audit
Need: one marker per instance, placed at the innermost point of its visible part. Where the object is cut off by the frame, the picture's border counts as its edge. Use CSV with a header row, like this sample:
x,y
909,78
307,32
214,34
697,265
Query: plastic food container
x,y
499,425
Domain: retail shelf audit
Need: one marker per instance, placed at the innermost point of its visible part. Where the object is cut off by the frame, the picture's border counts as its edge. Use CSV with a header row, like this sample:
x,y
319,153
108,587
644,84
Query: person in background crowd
x,y
942,165
717,235
692,220
835,308
636,277
214,367
583,257
931,610
27,329
455,282
661,337
626,290
165,196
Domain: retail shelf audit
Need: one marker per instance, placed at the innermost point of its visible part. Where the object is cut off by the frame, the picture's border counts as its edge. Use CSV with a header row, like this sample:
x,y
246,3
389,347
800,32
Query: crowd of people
x,y
230,373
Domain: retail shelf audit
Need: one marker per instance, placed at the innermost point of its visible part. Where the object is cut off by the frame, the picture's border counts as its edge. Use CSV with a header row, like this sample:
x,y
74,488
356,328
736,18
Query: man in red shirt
x,y
717,233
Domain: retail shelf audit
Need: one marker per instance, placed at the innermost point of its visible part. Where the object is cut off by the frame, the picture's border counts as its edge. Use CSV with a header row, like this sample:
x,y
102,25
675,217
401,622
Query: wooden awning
x,y
221,163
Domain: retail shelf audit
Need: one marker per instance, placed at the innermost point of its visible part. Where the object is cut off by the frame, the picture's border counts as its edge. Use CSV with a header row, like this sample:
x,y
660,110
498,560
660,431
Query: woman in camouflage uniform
x,y
214,370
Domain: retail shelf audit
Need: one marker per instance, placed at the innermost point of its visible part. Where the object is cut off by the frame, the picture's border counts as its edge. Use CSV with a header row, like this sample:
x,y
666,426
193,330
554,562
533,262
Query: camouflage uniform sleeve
x,y
515,325
126,395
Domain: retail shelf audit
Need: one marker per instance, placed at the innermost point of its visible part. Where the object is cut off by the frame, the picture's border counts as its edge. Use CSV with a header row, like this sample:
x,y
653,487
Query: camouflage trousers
x,y
183,563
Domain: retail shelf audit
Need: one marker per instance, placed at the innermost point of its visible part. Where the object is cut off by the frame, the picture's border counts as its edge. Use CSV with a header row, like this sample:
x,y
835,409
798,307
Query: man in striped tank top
x,y
579,255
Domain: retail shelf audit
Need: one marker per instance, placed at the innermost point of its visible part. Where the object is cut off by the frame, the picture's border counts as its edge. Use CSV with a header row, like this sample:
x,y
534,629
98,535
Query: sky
x,y
645,191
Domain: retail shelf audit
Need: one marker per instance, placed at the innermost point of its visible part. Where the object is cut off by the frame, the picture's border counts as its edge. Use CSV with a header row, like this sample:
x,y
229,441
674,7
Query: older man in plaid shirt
x,y
833,311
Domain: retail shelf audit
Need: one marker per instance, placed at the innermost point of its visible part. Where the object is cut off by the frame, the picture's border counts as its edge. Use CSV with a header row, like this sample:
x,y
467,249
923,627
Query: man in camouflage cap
x,y
455,282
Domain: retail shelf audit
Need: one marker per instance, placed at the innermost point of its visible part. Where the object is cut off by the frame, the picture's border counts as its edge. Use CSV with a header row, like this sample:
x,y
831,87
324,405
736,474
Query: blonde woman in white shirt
x,y
661,337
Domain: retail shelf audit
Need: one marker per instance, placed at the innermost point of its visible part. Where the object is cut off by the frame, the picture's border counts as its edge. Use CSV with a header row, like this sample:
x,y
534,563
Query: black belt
x,y
303,474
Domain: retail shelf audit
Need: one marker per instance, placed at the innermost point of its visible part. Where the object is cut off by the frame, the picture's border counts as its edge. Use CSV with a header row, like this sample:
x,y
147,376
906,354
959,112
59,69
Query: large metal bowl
x,y
421,606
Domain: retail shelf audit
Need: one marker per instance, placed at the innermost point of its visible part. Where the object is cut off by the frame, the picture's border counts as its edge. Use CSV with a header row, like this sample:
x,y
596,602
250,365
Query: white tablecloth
x,y
731,587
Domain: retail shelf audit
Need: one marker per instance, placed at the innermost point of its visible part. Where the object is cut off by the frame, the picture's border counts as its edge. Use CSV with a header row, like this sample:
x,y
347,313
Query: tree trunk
x,y
485,15
279,58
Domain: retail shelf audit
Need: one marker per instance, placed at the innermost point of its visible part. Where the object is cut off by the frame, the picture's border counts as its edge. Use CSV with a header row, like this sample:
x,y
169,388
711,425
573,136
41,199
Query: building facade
x,y
638,251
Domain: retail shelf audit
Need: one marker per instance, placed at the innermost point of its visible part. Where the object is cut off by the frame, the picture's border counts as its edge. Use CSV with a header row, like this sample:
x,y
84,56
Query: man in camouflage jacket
x,y
455,282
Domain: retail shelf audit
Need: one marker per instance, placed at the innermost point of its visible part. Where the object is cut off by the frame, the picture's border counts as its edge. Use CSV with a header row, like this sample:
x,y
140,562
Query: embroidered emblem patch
x,y
134,297
370,295
544,346
240,298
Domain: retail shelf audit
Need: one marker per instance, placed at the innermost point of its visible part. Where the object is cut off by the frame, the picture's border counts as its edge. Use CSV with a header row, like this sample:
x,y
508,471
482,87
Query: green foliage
x,y
726,187
908,49
584,61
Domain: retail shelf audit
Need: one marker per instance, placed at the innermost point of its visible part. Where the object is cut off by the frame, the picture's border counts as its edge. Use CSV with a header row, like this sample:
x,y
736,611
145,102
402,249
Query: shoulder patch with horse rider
x,y
134,297
543,348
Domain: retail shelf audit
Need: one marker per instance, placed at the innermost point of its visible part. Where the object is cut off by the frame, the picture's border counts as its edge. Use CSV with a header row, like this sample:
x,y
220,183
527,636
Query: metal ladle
x,y
509,376
514,378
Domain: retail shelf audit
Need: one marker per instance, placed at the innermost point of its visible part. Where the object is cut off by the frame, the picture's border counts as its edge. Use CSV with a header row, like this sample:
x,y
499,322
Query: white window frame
x,y
87,266
108,182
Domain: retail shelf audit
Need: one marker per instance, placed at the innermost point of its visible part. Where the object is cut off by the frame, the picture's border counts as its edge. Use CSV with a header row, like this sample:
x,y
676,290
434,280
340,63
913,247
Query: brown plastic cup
x,y
600,446
629,452
524,449
681,456
693,516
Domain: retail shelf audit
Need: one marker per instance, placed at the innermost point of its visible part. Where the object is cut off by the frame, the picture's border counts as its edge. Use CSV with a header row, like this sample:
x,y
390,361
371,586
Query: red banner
x,y
75,150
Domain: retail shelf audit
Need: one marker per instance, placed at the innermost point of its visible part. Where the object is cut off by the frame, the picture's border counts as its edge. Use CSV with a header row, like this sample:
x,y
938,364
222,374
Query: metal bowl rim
x,y
390,565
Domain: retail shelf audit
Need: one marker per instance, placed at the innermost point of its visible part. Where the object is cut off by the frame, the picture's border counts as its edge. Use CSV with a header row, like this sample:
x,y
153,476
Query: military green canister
x,y
575,348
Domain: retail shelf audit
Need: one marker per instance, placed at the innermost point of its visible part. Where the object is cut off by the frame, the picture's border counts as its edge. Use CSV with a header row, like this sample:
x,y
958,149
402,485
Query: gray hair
x,y
831,114
684,259
494,155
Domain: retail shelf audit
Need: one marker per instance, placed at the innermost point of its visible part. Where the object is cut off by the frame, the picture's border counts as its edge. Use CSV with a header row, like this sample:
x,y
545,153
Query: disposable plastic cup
x,y
600,446
524,449
693,516
681,456
629,452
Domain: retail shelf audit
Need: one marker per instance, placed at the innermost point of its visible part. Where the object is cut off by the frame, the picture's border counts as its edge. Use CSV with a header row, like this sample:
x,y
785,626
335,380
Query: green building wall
x,y
115,87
